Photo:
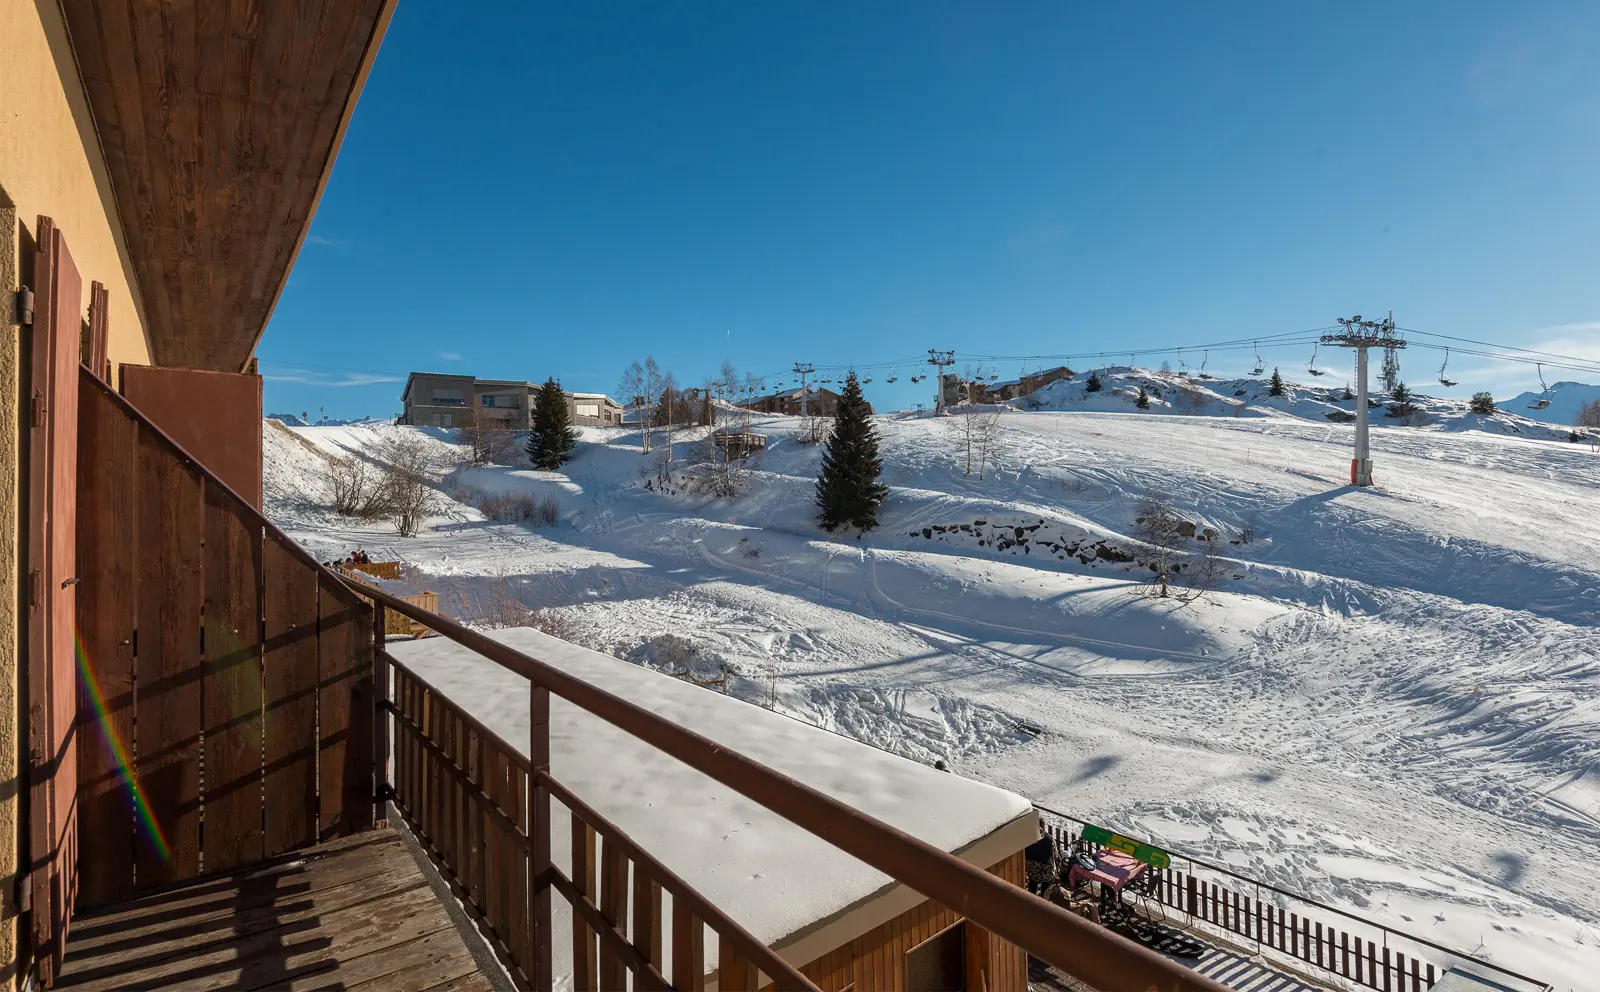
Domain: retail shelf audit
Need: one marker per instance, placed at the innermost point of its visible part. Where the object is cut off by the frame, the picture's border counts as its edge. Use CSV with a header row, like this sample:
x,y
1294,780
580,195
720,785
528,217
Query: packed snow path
x,y
1392,702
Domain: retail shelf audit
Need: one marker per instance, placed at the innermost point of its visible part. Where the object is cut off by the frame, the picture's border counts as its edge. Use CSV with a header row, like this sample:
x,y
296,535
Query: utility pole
x,y
940,360
1361,335
803,369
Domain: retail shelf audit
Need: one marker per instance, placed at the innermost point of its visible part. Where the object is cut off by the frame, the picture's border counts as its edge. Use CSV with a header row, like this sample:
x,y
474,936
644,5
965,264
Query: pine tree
x,y
1143,400
1482,402
1348,395
848,491
1093,385
552,439
1402,399
1276,388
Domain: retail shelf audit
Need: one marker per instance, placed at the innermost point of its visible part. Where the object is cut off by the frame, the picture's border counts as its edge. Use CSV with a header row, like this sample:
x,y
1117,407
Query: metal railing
x,y
454,776
1223,899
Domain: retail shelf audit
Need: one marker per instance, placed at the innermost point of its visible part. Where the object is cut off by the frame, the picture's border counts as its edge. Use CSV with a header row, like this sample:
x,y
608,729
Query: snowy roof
x,y
591,396
790,888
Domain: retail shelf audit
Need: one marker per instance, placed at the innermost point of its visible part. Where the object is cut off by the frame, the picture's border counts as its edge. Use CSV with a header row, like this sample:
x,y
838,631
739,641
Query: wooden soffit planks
x,y
219,121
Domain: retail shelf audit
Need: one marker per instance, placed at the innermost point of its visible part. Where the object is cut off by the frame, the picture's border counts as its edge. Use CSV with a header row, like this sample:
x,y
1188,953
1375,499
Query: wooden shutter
x,y
52,596
99,330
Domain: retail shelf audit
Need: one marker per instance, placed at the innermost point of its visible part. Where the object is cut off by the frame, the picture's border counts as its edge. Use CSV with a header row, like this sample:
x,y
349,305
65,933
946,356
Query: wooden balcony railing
x,y
483,809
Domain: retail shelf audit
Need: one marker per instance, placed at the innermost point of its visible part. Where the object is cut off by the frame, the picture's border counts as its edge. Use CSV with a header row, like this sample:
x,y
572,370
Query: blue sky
x,y
556,189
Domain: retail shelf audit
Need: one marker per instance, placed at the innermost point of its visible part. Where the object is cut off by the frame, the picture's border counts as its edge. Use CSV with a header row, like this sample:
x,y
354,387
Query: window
x,y
500,401
449,397
588,409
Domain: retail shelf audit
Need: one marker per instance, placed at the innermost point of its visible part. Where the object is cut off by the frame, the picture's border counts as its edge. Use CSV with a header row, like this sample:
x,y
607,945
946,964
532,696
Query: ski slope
x,y
1390,702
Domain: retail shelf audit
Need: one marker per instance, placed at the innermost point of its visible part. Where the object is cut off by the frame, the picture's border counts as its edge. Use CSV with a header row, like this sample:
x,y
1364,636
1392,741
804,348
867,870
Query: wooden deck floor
x,y
357,914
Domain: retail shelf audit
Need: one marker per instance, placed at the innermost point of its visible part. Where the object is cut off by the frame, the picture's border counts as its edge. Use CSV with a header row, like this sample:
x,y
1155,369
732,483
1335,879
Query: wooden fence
x,y
395,623
1290,933
481,809
222,674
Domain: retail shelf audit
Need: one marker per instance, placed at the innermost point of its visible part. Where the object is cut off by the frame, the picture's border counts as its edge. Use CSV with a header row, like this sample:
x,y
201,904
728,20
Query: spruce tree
x,y
552,439
848,491
1143,400
1276,389
1402,399
1093,385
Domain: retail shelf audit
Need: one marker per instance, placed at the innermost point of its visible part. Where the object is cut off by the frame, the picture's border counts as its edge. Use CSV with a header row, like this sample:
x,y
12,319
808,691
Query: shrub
x,y
358,488
512,507
549,512
408,484
1482,402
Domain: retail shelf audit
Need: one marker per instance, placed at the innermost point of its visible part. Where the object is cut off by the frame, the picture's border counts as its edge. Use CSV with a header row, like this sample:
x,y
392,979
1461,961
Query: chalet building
x,y
442,399
160,165
819,402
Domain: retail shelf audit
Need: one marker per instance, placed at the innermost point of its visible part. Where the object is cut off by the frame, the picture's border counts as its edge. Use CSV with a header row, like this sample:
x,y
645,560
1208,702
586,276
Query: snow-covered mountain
x,y
1565,399
1321,401
1390,701
292,420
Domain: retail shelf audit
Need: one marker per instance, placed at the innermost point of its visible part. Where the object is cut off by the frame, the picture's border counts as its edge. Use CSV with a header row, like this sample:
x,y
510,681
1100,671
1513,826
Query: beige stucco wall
x,y
49,164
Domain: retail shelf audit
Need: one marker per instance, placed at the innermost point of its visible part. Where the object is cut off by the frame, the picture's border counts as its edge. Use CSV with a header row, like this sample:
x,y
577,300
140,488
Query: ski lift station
x,y
839,921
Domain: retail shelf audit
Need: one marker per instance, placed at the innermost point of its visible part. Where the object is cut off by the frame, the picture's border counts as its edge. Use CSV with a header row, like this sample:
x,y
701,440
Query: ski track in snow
x,y
1391,702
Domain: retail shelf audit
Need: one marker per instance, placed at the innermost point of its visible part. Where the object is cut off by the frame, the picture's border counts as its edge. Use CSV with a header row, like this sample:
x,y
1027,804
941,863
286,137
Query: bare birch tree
x,y
631,386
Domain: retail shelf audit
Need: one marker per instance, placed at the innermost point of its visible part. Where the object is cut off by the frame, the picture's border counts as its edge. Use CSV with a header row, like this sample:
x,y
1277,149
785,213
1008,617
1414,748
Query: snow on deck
x,y
775,878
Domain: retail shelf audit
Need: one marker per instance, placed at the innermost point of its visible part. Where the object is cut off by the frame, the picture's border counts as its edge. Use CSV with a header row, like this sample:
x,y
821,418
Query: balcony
x,y
279,799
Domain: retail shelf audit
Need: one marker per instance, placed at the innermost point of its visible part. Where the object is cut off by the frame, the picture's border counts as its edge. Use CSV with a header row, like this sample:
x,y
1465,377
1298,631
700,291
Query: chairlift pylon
x,y
1443,380
1544,400
1311,366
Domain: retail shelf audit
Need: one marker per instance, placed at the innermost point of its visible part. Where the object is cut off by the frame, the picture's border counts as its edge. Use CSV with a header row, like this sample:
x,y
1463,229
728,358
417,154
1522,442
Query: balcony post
x,y
380,710
539,824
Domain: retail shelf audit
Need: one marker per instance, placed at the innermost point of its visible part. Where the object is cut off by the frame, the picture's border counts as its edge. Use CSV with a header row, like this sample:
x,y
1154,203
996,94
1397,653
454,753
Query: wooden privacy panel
x,y
344,713
214,652
52,596
231,690
107,528
289,603
167,661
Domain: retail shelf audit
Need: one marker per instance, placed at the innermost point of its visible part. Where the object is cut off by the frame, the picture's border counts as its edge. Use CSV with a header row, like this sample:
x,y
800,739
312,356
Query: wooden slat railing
x,y
439,792
223,672
1212,896
470,798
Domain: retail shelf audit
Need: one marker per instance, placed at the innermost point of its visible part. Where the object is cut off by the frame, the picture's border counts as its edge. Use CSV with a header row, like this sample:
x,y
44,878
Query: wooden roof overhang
x,y
219,121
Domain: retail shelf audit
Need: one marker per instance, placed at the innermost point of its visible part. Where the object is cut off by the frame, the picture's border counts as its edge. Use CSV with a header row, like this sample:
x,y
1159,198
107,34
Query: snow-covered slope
x,y
1565,400
1390,701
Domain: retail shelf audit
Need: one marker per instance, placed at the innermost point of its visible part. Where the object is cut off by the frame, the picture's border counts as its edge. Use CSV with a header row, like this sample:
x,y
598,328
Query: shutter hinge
x,y
35,580
37,418
25,306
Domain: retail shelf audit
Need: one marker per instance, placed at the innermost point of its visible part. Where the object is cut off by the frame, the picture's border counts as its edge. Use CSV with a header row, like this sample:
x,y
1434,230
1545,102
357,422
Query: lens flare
x,y
119,755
